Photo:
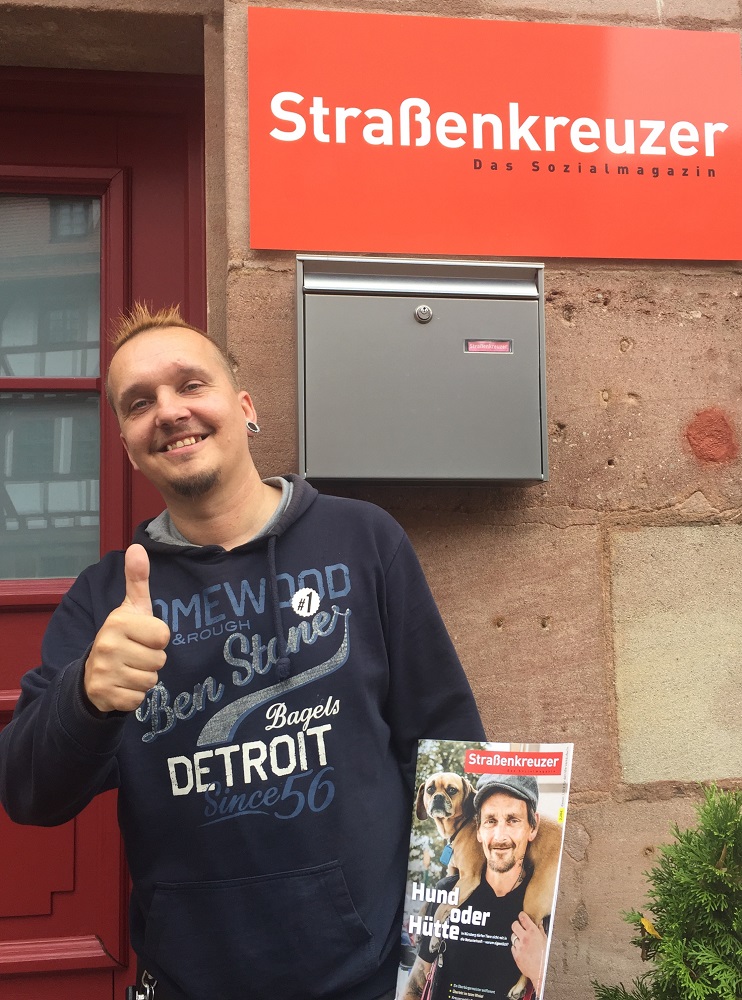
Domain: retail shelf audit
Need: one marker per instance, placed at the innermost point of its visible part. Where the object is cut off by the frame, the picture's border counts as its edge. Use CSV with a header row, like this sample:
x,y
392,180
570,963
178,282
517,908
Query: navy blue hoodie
x,y
265,783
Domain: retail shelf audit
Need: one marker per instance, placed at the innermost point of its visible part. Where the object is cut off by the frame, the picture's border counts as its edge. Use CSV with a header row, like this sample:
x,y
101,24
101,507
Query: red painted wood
x,y
8,699
11,384
53,853
116,298
34,179
64,986
21,631
135,141
54,950
63,883
32,593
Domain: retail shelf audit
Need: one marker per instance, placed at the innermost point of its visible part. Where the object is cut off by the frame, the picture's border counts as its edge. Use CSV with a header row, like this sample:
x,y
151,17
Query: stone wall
x,y
601,606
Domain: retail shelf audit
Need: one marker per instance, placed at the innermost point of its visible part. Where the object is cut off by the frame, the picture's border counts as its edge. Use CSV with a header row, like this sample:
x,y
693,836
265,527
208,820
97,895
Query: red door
x,y
101,205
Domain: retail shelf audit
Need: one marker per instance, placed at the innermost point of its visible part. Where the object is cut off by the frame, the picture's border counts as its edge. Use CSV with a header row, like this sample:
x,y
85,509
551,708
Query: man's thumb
x,y
136,570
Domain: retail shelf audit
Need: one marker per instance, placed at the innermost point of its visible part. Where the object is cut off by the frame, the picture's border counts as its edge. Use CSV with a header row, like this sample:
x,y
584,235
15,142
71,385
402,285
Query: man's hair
x,y
531,812
141,319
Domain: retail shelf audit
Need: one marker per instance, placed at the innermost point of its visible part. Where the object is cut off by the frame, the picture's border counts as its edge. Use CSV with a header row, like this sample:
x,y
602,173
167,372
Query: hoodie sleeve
x,y
55,754
429,694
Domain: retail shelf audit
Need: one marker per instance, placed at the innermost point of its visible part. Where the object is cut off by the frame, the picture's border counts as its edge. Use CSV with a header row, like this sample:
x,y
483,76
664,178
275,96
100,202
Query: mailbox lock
x,y
423,314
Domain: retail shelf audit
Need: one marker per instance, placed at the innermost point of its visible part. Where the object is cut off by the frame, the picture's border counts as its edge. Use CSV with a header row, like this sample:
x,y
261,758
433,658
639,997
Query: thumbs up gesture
x,y
129,649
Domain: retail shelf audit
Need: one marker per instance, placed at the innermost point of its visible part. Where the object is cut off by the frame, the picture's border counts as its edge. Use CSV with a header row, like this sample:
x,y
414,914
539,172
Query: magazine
x,y
485,853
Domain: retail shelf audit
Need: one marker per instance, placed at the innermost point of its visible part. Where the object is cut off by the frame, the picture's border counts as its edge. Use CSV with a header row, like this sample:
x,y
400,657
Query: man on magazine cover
x,y
253,676
497,942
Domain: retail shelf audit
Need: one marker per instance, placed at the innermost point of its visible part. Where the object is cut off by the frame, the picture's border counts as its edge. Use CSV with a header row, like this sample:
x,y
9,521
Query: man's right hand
x,y
130,646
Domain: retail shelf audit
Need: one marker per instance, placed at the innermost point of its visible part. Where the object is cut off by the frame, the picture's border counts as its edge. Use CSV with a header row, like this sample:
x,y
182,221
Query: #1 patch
x,y
305,602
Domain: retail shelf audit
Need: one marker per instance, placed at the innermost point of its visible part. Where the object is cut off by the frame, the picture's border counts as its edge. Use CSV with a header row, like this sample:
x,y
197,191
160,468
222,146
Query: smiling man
x,y
253,675
502,942
183,423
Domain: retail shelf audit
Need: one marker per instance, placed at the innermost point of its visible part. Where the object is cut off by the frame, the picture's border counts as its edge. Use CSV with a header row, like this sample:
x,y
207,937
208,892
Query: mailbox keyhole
x,y
423,314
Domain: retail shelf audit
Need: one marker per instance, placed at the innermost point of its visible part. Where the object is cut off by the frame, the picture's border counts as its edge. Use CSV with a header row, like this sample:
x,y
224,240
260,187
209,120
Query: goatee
x,y
196,486
501,865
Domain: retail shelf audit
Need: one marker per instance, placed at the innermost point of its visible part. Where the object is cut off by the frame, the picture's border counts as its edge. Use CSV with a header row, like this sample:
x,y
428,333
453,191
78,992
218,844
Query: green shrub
x,y
694,936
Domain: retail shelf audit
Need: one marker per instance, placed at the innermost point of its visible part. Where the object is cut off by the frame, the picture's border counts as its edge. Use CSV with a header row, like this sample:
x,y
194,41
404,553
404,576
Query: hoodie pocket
x,y
289,936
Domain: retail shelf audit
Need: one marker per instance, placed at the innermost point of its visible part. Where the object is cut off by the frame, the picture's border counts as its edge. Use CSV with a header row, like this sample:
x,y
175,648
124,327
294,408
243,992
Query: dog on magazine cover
x,y
452,802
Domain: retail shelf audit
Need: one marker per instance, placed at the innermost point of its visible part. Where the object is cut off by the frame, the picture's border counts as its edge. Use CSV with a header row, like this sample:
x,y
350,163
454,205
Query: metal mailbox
x,y
421,370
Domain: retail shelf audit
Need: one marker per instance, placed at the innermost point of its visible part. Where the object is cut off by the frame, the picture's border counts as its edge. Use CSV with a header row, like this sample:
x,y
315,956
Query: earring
x,y
252,427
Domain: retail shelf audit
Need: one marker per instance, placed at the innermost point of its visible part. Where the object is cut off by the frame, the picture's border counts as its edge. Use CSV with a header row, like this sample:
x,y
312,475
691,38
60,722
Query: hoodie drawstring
x,y
283,663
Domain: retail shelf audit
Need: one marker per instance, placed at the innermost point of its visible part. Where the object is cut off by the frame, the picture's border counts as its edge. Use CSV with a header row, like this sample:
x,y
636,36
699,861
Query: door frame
x,y
158,260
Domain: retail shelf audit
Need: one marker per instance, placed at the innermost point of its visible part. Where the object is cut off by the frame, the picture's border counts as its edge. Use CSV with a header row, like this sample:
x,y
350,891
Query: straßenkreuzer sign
x,y
394,134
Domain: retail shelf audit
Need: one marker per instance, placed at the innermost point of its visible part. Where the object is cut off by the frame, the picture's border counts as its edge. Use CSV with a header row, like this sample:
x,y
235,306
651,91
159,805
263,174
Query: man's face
x,y
503,831
182,421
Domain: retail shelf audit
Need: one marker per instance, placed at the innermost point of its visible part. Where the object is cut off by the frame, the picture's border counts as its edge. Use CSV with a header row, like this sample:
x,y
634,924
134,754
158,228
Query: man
x,y
253,675
492,951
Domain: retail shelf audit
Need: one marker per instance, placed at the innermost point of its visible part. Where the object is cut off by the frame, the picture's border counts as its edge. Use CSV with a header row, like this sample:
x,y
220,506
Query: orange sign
x,y
380,133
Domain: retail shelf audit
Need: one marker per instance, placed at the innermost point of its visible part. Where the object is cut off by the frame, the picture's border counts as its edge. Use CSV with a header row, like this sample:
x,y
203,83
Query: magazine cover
x,y
485,853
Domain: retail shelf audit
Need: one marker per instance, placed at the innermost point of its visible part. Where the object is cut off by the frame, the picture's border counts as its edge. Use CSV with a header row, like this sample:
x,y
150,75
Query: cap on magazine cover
x,y
522,786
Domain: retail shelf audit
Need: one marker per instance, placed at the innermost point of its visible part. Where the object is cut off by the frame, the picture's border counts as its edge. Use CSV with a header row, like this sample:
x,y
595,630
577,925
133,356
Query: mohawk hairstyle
x,y
141,319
